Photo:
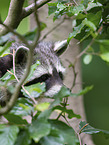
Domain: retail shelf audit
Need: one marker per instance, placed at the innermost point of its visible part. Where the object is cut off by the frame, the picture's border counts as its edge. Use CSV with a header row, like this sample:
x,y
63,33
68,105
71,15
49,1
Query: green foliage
x,y
87,59
86,128
34,90
8,134
90,22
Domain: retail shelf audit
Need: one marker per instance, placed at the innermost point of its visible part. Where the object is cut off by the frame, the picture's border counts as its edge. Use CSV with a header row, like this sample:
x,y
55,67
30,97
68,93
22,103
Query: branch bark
x,y
17,13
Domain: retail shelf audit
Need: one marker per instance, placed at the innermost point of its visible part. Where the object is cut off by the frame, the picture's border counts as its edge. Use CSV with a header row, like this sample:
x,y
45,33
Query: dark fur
x,y
6,63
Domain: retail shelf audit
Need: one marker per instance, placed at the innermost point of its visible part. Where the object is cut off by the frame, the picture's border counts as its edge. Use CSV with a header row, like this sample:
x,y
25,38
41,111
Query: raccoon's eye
x,y
44,77
41,79
61,75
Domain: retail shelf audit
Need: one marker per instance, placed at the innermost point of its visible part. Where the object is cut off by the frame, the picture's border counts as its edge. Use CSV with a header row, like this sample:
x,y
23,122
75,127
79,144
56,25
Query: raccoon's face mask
x,y
50,69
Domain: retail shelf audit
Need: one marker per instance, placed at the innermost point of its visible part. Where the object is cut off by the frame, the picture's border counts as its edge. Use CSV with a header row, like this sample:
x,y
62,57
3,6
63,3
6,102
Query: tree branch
x,y
30,9
13,18
17,13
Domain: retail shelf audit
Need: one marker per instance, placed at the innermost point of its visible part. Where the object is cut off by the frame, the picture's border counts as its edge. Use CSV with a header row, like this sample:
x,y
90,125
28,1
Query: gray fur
x,y
50,66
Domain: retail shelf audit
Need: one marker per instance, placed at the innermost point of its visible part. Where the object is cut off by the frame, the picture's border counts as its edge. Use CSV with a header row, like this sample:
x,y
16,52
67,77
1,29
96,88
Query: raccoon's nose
x,y
53,80
53,85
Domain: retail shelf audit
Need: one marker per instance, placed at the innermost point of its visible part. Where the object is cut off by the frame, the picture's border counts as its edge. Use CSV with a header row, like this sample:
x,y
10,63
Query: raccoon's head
x,y
50,69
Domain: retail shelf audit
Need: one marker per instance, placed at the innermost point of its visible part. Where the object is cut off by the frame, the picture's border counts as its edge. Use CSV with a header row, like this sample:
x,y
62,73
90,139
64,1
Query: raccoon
x,y
50,69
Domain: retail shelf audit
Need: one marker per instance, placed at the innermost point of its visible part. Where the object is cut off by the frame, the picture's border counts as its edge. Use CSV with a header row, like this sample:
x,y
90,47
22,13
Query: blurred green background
x,y
97,100
97,74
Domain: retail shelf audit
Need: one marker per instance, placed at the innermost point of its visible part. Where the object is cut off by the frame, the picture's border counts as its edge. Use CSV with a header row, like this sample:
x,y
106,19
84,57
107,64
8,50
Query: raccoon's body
x,y
49,71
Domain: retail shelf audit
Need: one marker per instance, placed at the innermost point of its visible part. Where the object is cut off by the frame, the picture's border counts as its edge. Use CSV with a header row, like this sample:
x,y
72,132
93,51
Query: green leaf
x,y
77,9
76,31
86,128
87,59
14,119
23,138
34,90
104,45
60,134
95,18
52,7
89,24
39,129
85,2
70,112
64,92
93,5
8,134
31,74
61,6
84,91
42,106
4,50
23,107
45,114
105,56
8,77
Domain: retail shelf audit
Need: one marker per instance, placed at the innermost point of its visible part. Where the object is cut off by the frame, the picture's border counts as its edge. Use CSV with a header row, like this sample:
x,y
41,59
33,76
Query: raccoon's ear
x,y
60,47
21,55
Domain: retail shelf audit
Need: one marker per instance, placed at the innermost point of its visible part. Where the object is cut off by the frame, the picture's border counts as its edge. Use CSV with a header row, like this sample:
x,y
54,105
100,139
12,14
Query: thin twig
x,y
75,2
52,29
38,26
32,98
74,73
16,33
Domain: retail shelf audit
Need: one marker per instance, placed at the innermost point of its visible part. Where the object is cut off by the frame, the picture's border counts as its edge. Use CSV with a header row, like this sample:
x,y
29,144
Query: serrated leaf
x,y
60,134
76,31
39,129
87,59
70,112
86,128
8,134
61,6
52,7
23,138
95,18
92,5
77,9
34,90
